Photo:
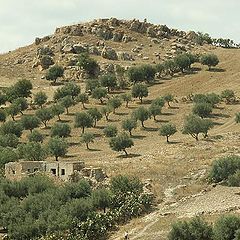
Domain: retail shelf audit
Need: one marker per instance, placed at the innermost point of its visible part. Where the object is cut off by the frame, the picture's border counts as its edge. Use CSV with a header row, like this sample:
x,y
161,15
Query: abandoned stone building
x,y
67,171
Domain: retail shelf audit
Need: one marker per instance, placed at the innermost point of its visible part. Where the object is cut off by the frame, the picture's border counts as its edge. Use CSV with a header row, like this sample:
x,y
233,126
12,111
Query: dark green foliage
x,y
135,75
57,147
110,131
210,98
139,91
54,73
234,180
83,120
154,110
237,118
91,84
57,110
45,115
141,114
7,155
226,227
211,60
11,127
224,167
35,136
30,122
13,110
170,67
126,98
61,130
32,151
3,115
88,64
195,229
114,103
194,125
109,81
21,102
129,124
167,130
148,72
67,102
203,110
9,140
121,142
159,101
203,38
87,138
106,111
82,98
183,62
99,93
229,96
71,89
101,199
95,114
3,99
40,98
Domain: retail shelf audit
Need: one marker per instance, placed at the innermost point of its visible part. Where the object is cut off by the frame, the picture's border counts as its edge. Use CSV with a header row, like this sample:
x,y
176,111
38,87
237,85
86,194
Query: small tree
x,y
71,89
101,199
114,103
154,110
159,101
129,124
30,122
139,91
170,67
229,96
32,151
66,102
167,130
106,111
13,110
22,88
87,138
40,98
54,73
168,98
88,64
99,93
21,102
9,140
35,136
126,98
57,147
83,120
3,115
211,60
226,227
141,114
62,130
121,143
135,75
183,62
148,72
45,115
82,98
203,110
110,131
194,125
237,117
3,99
57,110
109,81
11,127
95,114
91,84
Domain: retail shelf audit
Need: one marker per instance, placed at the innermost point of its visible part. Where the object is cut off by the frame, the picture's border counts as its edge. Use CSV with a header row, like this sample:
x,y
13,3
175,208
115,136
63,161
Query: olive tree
x,y
121,143
203,110
87,138
109,81
35,136
106,111
40,98
95,114
141,114
167,130
139,91
57,110
57,147
129,124
83,120
114,103
126,97
22,103
30,122
82,98
67,102
110,130
168,98
62,130
229,96
211,60
54,73
45,115
99,93
3,115
154,110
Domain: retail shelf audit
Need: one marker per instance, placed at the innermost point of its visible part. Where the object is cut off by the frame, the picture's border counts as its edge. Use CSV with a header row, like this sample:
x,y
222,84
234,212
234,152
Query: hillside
x,y
176,172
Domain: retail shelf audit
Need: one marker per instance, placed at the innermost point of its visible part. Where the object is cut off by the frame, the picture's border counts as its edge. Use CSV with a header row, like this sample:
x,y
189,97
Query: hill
x,y
176,172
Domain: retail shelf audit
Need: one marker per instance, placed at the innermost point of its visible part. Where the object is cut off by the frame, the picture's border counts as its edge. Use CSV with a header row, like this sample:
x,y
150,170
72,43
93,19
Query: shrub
x,y
139,91
88,64
224,167
7,155
129,124
109,81
110,131
35,136
167,130
229,96
9,140
11,127
61,130
83,120
40,98
211,60
195,229
183,62
141,114
57,147
226,227
203,110
234,180
168,98
237,118
121,142
3,115
54,73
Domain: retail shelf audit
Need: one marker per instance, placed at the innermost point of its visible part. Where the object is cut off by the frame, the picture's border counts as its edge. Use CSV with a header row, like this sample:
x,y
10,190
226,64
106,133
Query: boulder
x,y
103,32
151,32
126,38
79,48
117,36
46,61
68,48
93,50
76,31
109,53
37,41
114,22
191,35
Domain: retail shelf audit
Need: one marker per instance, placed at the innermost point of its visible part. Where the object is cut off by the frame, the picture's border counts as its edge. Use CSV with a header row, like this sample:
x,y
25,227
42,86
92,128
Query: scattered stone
x,y
109,53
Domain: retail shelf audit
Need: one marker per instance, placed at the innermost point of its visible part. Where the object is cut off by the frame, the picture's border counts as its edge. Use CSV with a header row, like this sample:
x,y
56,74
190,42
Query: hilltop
x,y
176,172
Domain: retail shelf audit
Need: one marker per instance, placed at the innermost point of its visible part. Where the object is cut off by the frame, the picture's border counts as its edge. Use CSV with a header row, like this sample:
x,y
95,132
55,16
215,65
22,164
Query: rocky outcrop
x,y
125,56
109,53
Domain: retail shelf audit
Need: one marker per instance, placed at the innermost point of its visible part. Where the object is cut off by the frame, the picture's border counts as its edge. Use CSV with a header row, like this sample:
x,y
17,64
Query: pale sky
x,y
23,20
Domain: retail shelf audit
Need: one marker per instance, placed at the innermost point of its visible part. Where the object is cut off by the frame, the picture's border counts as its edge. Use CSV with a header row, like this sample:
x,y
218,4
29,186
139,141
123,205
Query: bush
x,y
57,147
11,127
203,110
139,91
237,118
7,155
88,64
226,227
109,81
121,142
183,62
229,96
224,167
3,115
211,60
234,180
54,73
9,140
35,136
61,130
40,98
195,229
110,131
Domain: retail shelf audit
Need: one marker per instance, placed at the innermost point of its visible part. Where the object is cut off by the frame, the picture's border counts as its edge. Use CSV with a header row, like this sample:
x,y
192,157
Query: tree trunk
x,y
45,124
154,117
59,118
167,139
67,111
30,130
127,104
13,118
142,124
87,146
140,98
56,158
83,105
130,132
101,100
196,137
169,104
125,152
83,130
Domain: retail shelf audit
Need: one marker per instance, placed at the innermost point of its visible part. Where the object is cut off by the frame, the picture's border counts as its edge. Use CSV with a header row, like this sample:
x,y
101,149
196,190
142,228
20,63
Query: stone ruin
x,y
65,171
